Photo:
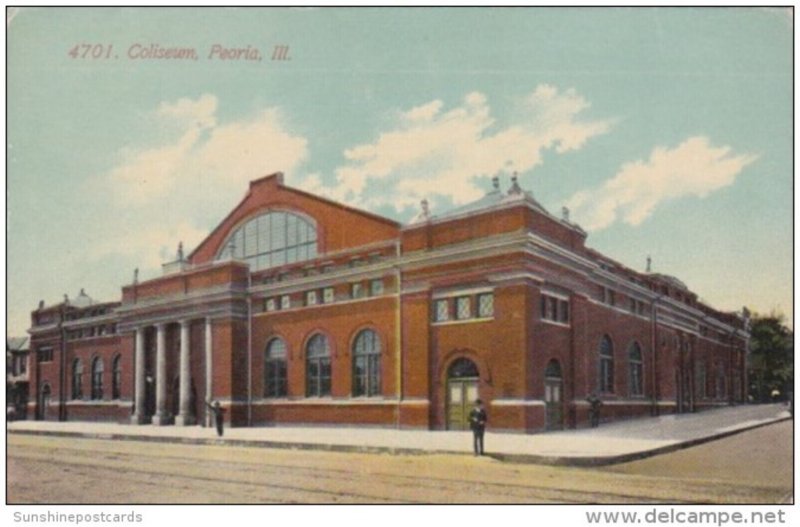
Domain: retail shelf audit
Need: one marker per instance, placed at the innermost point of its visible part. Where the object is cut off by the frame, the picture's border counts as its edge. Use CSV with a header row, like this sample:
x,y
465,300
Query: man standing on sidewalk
x,y
594,409
477,421
219,416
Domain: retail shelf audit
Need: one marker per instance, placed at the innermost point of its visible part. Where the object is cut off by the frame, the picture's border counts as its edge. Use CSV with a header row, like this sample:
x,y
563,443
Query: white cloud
x,y
206,153
212,162
430,152
693,168
150,245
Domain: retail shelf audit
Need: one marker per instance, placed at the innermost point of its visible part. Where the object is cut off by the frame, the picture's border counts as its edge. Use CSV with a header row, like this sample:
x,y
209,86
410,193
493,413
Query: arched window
x,y
271,240
552,370
318,367
97,378
77,379
635,370
606,380
367,364
116,378
275,369
462,368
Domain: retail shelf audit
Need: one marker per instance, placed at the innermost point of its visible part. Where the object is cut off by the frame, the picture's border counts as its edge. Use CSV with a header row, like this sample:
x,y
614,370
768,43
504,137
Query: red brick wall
x,y
340,322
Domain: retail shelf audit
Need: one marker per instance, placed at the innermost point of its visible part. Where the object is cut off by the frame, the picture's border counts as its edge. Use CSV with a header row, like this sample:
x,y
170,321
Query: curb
x,y
564,461
601,461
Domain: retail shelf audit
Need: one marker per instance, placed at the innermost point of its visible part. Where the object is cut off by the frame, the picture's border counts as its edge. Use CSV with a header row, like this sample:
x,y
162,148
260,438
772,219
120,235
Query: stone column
x,y
161,417
139,386
183,418
209,373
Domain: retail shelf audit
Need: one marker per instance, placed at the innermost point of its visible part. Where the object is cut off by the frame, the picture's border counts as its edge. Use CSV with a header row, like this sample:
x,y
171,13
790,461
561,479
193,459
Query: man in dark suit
x,y
477,422
219,416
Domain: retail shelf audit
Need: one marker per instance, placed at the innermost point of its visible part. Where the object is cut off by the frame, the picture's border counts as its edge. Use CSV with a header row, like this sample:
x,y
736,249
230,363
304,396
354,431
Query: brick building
x,y
300,310
17,351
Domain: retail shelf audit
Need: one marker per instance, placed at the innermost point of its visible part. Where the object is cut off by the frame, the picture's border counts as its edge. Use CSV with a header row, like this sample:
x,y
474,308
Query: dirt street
x,y
753,467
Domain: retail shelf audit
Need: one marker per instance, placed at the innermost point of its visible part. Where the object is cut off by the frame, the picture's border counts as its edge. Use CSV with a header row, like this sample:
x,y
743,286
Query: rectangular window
x,y
555,309
609,296
45,354
286,302
376,287
311,298
463,307
328,295
271,305
356,290
442,310
486,305
563,311
633,305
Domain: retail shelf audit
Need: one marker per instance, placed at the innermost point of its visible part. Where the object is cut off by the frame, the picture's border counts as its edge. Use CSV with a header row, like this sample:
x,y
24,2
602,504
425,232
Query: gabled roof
x,y
18,343
276,180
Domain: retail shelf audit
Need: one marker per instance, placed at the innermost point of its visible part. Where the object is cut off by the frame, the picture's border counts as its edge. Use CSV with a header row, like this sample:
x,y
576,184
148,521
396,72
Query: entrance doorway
x,y
44,403
553,389
462,391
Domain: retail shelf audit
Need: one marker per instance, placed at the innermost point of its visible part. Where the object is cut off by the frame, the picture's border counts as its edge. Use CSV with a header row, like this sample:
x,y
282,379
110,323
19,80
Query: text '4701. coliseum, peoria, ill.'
x,y
154,51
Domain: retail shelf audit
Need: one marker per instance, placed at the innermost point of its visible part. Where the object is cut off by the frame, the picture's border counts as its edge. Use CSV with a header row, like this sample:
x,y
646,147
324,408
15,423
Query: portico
x,y
181,324
162,415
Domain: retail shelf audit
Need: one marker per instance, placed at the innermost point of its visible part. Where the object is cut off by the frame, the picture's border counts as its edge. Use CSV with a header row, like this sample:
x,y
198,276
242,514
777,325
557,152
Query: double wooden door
x,y
461,396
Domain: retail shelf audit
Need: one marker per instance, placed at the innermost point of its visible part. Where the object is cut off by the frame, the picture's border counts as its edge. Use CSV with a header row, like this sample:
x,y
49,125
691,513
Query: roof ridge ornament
x,y
515,188
649,264
424,215
565,213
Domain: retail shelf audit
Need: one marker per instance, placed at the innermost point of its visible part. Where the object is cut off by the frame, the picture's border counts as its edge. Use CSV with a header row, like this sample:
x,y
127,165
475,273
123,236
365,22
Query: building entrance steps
x,y
610,443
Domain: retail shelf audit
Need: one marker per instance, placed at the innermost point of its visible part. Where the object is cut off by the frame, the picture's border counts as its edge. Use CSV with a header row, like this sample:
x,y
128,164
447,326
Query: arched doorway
x,y
553,390
462,391
44,402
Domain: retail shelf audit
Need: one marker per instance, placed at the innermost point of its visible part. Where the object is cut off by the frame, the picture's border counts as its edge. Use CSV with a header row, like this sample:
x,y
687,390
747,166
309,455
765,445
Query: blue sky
x,y
668,132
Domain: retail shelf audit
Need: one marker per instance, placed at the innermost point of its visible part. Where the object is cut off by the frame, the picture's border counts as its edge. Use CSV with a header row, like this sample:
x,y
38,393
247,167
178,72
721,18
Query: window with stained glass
x,y
367,364
318,367
271,240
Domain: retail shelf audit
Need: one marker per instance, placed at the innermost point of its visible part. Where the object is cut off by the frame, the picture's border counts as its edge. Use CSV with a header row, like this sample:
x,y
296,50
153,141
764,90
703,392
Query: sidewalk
x,y
609,444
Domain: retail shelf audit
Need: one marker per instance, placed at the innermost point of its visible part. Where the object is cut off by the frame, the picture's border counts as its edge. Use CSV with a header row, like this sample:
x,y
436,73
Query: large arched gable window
x,y
275,369
271,240
635,370
367,364
318,366
77,379
97,378
116,377
606,373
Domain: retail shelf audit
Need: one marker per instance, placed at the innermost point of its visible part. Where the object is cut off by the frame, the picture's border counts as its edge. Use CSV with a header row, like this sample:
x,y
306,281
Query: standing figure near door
x,y
219,416
477,422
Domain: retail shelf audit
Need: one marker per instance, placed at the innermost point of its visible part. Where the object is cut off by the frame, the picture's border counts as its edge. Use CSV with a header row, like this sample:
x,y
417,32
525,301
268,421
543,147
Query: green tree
x,y
771,365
